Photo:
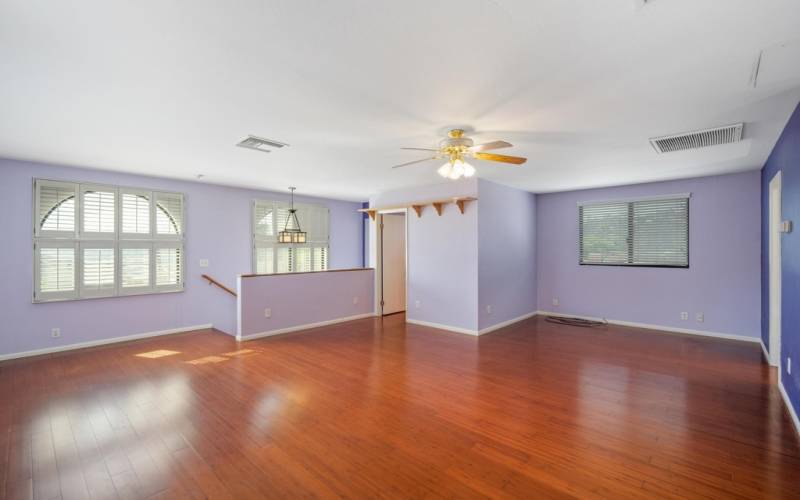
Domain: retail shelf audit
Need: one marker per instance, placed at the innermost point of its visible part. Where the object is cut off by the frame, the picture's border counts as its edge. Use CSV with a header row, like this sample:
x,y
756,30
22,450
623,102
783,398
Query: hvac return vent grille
x,y
698,139
260,144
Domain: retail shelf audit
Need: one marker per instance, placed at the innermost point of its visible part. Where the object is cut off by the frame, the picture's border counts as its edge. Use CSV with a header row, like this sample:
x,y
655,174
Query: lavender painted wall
x,y
723,281
785,158
302,299
217,228
442,255
506,253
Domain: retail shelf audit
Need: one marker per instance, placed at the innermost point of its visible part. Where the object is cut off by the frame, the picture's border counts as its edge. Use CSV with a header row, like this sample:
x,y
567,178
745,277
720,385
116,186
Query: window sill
x,y
115,296
634,265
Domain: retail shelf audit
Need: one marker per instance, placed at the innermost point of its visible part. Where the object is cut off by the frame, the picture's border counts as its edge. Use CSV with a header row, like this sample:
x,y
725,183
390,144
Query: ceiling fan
x,y
457,148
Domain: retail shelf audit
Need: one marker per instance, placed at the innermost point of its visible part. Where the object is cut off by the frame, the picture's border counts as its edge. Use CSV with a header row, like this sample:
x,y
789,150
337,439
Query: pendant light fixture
x,y
291,230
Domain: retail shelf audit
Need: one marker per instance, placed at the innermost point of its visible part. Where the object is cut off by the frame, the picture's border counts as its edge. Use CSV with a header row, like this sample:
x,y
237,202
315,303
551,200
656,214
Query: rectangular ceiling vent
x,y
698,139
260,144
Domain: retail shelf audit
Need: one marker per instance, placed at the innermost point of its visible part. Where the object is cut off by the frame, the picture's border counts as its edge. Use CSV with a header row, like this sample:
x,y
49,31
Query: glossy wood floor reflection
x,y
363,410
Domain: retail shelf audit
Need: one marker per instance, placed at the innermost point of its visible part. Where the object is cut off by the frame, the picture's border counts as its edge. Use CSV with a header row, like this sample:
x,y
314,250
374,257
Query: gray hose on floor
x,y
585,323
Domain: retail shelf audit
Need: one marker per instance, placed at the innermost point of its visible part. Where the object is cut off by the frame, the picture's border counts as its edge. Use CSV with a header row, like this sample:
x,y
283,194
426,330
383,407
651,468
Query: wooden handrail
x,y
212,281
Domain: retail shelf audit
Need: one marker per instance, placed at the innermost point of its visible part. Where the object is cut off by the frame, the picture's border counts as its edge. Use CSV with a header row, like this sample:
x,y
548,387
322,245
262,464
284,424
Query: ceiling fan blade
x,y
516,160
415,161
421,149
490,145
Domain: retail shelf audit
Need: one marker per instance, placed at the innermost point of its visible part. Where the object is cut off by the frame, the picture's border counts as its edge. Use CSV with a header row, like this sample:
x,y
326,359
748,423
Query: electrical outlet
x,y
699,317
489,309
555,301
55,333
203,262
355,300
684,316
417,304
268,312
789,365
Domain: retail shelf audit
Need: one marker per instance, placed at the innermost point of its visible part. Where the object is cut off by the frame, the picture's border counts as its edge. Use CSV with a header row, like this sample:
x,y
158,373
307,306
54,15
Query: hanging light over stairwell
x,y
291,230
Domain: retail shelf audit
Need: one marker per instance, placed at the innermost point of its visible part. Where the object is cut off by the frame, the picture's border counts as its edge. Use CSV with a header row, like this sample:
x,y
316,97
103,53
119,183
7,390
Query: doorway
x,y
393,262
775,270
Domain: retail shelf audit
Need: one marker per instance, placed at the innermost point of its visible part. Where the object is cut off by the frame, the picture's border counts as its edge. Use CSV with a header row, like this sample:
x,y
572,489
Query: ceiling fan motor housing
x,y
456,140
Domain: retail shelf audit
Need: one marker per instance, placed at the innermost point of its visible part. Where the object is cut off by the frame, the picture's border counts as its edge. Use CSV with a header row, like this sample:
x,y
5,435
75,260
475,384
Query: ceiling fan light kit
x,y
456,148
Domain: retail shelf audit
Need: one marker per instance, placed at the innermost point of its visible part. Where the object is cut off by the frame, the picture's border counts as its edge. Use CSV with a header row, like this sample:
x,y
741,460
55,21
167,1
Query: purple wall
x,y
217,228
785,158
304,298
442,255
506,253
723,281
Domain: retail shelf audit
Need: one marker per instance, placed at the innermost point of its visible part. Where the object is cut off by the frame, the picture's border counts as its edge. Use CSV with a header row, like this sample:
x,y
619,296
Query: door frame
x,y
377,256
774,273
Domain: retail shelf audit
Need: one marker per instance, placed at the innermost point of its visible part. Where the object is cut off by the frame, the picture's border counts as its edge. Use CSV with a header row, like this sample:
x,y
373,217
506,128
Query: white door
x,y
775,270
393,262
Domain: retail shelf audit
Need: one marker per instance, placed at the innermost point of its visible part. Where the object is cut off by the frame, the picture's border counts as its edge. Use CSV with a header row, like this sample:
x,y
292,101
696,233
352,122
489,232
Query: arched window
x,y
100,241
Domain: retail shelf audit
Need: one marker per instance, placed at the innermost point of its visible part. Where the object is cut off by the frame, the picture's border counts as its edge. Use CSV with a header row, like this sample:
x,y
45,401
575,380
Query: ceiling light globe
x,y
445,170
458,169
469,170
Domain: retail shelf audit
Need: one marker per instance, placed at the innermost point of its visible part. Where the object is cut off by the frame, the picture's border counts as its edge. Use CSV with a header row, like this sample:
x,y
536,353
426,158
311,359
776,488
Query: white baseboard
x,y
290,329
789,406
506,323
440,326
662,328
764,351
95,343
467,331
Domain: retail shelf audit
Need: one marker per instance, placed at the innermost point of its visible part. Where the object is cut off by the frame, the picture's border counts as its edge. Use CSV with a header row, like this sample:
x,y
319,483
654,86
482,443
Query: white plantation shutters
x,y
135,213
168,265
98,269
643,232
169,214
269,256
55,268
55,209
98,211
102,241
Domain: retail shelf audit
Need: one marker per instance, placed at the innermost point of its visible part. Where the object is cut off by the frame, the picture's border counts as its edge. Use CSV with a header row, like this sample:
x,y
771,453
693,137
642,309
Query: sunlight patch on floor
x,y
157,354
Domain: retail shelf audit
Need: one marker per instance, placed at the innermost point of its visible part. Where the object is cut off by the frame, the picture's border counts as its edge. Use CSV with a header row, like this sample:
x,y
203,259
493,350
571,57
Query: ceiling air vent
x,y
698,139
260,144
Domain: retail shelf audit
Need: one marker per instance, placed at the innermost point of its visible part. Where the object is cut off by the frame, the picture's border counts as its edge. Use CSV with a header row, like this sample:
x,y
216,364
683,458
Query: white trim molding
x,y
467,331
270,333
764,351
678,196
661,328
95,343
440,326
788,403
504,324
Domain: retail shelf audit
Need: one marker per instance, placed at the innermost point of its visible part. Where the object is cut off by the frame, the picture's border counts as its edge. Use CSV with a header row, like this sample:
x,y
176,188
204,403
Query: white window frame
x,y
79,239
317,237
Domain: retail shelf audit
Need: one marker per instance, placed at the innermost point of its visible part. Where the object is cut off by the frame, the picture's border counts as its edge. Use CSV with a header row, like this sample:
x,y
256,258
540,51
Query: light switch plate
x,y
203,262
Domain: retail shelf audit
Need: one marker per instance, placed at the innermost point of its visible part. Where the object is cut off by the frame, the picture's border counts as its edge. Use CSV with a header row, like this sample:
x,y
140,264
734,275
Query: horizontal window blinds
x,y
650,232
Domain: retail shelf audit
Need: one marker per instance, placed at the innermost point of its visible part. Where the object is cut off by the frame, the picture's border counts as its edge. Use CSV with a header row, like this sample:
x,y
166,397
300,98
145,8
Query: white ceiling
x,y
167,88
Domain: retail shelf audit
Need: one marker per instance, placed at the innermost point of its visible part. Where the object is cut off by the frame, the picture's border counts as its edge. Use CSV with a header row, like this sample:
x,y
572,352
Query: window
x,y
103,241
269,256
650,232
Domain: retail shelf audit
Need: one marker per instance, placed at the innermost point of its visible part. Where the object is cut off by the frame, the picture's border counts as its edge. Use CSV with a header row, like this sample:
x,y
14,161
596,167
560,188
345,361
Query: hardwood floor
x,y
535,410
